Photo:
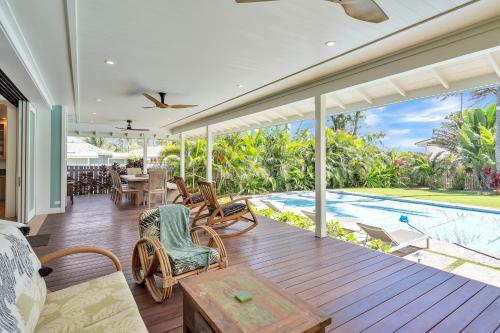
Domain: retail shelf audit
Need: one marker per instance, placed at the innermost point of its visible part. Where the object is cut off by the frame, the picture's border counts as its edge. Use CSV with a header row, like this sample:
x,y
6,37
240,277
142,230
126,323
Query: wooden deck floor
x,y
361,289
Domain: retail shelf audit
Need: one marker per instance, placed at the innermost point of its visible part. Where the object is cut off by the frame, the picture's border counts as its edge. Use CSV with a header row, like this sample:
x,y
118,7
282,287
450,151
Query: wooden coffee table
x,y
210,306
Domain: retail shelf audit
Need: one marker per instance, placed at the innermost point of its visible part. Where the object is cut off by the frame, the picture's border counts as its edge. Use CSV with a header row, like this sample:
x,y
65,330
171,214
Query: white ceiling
x,y
196,51
471,71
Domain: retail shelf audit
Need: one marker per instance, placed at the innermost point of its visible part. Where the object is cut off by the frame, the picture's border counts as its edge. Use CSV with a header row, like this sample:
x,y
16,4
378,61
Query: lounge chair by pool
x,y
397,239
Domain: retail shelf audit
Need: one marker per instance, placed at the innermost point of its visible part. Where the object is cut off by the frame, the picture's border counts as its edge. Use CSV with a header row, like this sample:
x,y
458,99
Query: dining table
x,y
137,182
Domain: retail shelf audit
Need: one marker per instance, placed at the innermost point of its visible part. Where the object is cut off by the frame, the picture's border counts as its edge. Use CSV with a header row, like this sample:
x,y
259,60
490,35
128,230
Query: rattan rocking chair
x,y
190,200
227,214
150,261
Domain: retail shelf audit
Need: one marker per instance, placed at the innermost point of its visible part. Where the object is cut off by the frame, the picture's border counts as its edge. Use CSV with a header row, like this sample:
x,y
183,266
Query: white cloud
x,y
436,111
371,119
402,144
395,132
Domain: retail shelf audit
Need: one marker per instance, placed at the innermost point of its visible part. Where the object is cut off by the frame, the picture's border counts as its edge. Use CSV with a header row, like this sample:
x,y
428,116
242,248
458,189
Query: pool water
x,y
473,228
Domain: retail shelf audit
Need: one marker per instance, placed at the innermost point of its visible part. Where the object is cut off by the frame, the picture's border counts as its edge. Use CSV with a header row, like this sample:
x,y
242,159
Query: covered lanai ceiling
x,y
216,54
471,71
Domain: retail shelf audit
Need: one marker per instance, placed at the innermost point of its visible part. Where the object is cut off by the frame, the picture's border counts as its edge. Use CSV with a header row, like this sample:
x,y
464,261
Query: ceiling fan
x,y
129,127
161,103
364,10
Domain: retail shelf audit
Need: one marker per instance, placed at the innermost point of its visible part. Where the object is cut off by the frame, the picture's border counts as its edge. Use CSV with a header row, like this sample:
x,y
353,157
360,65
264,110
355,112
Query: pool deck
x,y
360,288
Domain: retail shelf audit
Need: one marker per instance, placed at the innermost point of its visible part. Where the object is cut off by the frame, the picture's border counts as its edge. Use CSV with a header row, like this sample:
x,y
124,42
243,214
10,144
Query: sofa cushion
x,y
197,198
22,290
104,304
231,209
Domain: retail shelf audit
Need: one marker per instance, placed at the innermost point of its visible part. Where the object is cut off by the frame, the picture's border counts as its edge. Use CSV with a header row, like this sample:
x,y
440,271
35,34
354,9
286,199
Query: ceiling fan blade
x,y
152,99
148,107
248,1
139,129
364,10
181,106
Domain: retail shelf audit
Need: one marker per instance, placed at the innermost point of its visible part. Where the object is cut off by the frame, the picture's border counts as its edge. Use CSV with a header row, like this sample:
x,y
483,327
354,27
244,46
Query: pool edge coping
x,y
419,201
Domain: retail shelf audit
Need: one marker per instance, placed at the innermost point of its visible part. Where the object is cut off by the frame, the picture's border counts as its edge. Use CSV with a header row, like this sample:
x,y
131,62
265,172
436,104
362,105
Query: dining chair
x,y
121,189
134,171
156,186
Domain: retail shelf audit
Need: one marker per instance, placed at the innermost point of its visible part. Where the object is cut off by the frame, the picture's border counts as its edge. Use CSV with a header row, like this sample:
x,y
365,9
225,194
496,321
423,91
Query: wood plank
x,y
466,313
411,310
443,308
360,288
488,321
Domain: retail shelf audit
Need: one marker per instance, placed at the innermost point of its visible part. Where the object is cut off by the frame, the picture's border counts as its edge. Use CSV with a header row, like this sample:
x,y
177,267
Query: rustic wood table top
x,y
272,308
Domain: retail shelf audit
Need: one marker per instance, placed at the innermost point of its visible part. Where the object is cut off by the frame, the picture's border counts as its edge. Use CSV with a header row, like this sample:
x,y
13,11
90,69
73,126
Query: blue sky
x,y
410,122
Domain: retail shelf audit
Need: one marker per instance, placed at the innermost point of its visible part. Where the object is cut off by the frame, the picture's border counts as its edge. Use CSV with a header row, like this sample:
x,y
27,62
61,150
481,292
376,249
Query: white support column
x,y
145,155
182,156
320,165
497,144
209,154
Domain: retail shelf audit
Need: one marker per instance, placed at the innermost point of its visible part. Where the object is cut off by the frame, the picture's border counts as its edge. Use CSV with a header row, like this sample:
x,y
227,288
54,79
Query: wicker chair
x,y
227,214
190,200
150,259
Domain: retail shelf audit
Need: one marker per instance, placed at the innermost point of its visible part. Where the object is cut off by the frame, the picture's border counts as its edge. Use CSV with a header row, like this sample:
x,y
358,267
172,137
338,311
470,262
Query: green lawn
x,y
455,197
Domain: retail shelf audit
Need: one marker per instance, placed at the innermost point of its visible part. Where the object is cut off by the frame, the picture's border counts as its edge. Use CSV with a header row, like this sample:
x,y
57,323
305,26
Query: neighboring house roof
x,y
77,148
425,143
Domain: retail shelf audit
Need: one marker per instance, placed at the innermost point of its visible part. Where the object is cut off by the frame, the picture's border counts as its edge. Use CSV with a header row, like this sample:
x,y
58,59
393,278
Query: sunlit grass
x,y
471,198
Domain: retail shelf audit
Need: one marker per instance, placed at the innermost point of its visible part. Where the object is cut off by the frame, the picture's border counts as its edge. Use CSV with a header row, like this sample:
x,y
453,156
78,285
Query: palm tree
x,y
480,95
97,141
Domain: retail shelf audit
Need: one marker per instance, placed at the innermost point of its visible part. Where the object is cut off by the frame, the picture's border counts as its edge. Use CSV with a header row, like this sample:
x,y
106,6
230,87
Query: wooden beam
x,y
493,64
441,78
337,102
364,95
397,87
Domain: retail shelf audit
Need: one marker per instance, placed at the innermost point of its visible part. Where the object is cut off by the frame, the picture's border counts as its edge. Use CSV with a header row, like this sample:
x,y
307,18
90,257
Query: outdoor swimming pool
x,y
474,228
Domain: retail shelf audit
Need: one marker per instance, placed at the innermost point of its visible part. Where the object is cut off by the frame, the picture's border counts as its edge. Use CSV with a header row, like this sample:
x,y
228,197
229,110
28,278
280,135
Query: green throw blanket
x,y
175,236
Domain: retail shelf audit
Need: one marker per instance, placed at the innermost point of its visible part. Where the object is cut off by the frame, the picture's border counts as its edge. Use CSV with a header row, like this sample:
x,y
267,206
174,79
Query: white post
x,y
182,156
145,155
320,165
209,154
497,134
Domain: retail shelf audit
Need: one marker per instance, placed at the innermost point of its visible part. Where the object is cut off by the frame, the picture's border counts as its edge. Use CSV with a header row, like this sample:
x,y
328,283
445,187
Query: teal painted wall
x,y
56,136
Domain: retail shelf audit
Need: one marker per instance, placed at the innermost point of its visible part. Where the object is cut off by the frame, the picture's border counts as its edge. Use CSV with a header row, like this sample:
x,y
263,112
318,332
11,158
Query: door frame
x,y
26,157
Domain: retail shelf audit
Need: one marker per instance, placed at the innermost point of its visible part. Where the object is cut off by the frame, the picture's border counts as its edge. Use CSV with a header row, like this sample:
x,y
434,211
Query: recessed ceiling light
x,y
330,43
239,85
109,62
98,100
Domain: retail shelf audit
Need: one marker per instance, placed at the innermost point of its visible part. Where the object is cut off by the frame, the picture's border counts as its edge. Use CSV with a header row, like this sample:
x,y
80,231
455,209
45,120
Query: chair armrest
x,y
215,240
236,200
81,249
228,195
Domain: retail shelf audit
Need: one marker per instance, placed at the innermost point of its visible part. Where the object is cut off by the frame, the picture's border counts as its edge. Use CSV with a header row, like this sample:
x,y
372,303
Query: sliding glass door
x,y
26,161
